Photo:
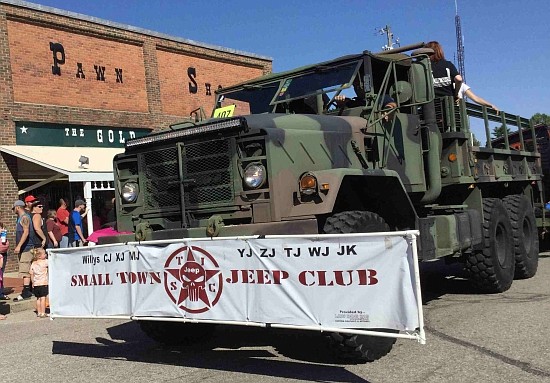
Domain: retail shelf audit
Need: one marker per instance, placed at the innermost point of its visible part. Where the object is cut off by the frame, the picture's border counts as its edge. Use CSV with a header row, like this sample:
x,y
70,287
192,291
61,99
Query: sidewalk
x,y
13,285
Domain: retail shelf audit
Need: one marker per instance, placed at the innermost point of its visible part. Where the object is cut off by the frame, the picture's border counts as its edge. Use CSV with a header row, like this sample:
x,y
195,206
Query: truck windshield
x,y
322,80
263,98
250,99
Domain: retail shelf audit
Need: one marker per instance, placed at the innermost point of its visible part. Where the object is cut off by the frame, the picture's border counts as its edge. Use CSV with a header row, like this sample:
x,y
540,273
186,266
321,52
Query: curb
x,y
13,284
10,307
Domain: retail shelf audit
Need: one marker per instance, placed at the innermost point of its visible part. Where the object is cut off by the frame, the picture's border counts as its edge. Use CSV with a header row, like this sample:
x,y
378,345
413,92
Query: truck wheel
x,y
526,239
355,222
176,333
364,348
491,270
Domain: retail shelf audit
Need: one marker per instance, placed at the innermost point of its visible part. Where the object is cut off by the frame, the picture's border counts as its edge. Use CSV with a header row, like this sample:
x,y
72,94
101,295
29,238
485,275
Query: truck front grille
x,y
207,175
162,187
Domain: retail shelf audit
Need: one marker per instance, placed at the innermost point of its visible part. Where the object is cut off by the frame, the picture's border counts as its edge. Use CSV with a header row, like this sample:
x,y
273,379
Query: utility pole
x,y
459,44
389,36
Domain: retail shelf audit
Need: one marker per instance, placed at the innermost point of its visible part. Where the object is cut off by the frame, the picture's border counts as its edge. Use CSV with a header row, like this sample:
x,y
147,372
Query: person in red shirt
x,y
63,222
54,232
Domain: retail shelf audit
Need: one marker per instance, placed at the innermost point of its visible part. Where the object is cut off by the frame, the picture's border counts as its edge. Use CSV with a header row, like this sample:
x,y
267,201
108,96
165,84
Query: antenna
x,y
459,44
389,36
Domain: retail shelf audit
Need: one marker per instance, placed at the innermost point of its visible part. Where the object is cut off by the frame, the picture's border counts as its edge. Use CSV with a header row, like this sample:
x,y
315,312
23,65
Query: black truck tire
x,y
176,333
491,270
526,239
355,222
362,348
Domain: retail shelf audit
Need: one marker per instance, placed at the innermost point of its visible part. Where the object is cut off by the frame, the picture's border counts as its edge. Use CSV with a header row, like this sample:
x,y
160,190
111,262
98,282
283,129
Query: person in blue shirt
x,y
76,236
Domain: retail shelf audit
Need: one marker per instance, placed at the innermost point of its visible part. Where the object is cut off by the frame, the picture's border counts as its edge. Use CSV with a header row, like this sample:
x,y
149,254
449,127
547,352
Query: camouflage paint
x,y
419,169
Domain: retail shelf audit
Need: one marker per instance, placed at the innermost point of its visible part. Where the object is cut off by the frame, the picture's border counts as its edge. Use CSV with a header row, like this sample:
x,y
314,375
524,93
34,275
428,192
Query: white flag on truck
x,y
346,281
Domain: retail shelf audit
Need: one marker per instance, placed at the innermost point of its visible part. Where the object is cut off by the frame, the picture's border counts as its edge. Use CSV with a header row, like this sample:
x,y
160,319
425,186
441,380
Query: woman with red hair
x,y
447,80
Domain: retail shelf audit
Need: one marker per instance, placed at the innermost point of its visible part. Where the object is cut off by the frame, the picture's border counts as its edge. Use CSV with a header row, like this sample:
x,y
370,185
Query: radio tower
x,y
459,44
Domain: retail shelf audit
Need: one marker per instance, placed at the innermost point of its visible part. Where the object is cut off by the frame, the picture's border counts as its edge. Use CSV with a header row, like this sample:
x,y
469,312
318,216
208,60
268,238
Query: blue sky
x,y
507,42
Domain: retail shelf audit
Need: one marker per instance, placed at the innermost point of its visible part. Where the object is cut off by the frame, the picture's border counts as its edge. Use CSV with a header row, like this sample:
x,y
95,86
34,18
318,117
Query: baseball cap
x,y
30,198
18,203
79,202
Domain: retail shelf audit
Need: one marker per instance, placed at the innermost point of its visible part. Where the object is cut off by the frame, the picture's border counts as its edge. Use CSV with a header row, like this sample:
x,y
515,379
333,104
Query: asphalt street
x,y
470,338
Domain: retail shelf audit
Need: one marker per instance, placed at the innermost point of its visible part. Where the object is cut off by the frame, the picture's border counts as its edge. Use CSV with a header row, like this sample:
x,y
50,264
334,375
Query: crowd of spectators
x,y
37,231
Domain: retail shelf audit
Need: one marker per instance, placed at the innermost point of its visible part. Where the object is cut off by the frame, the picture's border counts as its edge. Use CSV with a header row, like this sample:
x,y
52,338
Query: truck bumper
x,y
304,226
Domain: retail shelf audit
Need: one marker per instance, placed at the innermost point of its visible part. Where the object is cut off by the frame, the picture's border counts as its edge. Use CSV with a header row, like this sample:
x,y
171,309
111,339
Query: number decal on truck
x,y
226,111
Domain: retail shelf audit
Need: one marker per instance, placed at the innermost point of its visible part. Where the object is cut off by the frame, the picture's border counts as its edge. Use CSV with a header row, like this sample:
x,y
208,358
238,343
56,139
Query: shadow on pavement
x,y
438,279
231,348
237,349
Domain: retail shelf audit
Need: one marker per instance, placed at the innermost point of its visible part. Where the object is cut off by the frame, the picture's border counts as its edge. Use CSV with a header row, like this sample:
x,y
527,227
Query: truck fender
x,y
376,190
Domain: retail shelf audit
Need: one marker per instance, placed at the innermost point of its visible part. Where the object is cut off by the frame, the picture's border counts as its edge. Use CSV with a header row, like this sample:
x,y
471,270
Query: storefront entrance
x,y
101,200
70,162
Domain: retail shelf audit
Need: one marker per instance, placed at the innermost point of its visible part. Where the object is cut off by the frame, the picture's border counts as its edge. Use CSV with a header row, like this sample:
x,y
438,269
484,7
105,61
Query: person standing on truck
x,y
447,80
466,91
76,236
23,232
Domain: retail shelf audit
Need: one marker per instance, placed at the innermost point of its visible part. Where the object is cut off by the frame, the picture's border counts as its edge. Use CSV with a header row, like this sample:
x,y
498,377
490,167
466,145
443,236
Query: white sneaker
x,y
20,298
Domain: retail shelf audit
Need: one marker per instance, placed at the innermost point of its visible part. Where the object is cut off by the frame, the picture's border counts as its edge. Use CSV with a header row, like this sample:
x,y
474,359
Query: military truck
x,y
284,154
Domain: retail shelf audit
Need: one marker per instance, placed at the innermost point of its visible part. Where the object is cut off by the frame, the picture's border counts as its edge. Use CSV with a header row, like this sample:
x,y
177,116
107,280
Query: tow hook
x,y
214,224
142,229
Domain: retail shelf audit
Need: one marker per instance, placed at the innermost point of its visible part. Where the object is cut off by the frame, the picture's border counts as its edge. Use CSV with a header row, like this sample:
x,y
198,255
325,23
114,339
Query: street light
x,y
83,161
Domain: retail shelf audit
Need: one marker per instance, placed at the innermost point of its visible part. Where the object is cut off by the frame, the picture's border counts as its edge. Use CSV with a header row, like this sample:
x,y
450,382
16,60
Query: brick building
x,y
73,88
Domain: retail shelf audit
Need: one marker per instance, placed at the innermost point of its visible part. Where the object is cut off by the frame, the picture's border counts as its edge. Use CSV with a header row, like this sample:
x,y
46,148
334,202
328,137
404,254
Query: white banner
x,y
346,281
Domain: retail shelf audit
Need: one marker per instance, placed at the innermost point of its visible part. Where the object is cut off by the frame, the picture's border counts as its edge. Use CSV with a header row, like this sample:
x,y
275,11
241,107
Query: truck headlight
x,y
130,192
254,175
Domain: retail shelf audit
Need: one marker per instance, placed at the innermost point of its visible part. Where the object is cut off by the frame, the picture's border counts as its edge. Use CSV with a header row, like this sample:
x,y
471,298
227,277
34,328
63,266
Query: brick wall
x,y
87,78
155,91
180,75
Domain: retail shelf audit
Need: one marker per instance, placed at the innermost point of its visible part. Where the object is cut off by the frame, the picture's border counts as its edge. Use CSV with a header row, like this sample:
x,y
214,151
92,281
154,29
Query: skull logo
x,y
193,278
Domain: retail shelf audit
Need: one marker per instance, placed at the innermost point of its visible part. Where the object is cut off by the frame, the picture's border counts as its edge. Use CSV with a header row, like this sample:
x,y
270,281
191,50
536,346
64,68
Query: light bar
x,y
238,124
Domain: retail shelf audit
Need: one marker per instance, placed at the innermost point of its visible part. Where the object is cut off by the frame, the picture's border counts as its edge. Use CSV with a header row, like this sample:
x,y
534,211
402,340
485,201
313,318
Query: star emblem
x,y
182,275
24,129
